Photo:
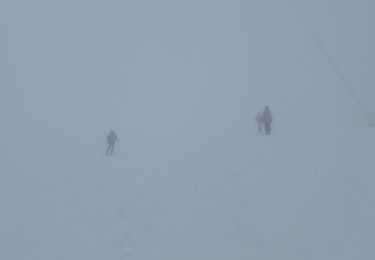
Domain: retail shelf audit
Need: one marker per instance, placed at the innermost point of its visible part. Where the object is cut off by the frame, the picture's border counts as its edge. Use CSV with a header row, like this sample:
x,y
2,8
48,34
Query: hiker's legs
x,y
267,128
109,150
112,148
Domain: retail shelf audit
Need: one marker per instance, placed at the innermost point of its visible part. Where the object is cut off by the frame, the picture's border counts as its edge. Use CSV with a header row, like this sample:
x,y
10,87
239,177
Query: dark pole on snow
x,y
346,83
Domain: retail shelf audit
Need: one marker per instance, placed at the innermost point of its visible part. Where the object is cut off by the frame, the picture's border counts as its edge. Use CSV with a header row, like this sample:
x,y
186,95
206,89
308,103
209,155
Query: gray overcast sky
x,y
181,82
87,66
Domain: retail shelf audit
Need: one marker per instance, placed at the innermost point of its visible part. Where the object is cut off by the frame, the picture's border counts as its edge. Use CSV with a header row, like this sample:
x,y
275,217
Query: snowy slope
x,y
248,197
181,82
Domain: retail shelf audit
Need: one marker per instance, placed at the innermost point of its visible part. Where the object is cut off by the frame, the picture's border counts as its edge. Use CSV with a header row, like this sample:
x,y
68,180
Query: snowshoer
x,y
259,122
111,140
267,120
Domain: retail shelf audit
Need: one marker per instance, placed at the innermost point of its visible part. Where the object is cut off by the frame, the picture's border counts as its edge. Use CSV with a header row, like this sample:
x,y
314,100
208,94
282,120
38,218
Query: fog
x,y
181,83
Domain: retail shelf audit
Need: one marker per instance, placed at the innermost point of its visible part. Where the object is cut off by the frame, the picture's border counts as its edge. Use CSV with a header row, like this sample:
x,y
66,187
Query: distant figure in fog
x,y
259,122
267,120
111,140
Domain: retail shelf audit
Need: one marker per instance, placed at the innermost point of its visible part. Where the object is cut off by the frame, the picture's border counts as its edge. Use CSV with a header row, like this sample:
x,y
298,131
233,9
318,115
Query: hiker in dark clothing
x,y
267,120
111,140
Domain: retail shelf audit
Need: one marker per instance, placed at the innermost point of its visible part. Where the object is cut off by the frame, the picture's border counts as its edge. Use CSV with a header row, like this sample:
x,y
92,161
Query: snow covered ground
x,y
243,197
181,82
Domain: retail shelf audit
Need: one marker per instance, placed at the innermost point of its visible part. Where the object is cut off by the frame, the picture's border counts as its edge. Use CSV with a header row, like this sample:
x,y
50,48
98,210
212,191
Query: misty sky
x,y
170,69
181,82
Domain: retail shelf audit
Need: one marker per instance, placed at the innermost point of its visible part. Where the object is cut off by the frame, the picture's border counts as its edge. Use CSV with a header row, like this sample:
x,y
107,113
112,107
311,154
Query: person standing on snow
x,y
111,140
267,120
259,122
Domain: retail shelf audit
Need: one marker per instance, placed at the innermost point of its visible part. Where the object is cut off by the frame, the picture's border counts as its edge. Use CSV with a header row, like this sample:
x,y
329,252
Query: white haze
x,y
181,82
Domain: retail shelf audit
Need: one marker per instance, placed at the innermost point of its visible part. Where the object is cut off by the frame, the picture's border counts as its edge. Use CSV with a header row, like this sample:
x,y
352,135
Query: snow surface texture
x,y
181,82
